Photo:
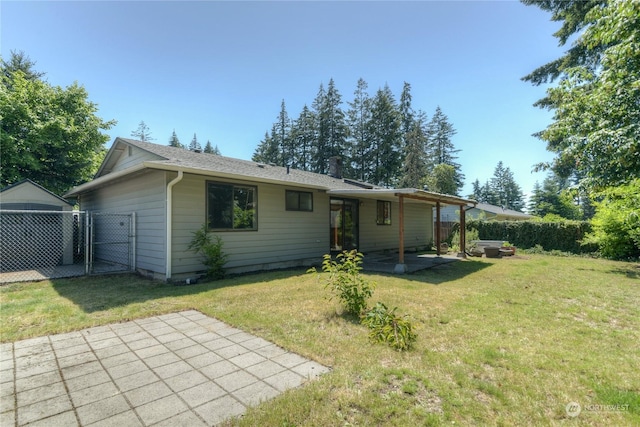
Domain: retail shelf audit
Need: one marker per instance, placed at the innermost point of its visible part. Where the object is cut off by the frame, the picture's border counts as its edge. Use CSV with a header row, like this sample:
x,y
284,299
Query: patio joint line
x,y
64,383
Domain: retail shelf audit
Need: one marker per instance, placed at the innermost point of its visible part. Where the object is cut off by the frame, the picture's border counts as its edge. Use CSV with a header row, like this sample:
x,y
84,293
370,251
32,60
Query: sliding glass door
x,y
344,224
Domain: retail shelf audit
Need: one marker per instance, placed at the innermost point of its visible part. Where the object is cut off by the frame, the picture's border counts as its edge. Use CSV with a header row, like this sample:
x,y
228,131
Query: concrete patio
x,y
386,262
179,369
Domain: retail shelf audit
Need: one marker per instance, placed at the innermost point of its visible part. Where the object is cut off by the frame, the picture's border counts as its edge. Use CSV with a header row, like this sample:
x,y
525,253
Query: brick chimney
x,y
335,167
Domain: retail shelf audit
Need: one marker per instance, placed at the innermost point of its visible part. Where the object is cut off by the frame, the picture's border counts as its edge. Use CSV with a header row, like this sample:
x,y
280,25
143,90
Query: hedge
x,y
565,236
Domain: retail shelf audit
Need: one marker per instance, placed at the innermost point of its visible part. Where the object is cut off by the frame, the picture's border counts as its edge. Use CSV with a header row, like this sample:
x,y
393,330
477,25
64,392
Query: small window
x,y
231,207
299,201
383,216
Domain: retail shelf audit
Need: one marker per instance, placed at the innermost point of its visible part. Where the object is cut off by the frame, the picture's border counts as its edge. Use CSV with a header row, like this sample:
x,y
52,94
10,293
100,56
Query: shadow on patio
x,y
386,262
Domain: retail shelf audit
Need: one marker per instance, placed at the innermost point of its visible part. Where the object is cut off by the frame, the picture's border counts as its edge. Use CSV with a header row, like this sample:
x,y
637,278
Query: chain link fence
x,y
38,245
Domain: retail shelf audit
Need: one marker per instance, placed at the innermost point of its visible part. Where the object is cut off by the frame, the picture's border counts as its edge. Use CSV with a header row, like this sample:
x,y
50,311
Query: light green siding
x,y
418,227
132,156
145,195
283,238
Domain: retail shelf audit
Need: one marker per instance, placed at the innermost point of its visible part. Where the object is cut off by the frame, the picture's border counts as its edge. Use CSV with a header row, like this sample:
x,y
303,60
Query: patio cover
x,y
413,195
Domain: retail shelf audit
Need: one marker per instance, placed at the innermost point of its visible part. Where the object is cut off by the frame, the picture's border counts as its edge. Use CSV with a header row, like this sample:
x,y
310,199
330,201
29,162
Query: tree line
x,y
381,141
143,133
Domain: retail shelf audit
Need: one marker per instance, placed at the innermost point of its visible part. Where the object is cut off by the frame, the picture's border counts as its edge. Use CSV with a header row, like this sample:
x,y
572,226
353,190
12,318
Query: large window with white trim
x,y
231,206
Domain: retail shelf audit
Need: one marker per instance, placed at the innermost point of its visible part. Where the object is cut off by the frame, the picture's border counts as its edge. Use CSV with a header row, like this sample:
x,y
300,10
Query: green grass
x,y
500,342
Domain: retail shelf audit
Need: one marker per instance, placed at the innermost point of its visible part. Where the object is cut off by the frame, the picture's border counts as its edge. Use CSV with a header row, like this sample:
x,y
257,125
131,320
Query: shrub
x,y
214,257
345,281
388,327
565,236
616,224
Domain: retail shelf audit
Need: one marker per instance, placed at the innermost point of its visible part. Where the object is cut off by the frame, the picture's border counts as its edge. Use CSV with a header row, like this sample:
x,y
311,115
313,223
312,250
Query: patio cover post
x,y
438,228
401,266
463,232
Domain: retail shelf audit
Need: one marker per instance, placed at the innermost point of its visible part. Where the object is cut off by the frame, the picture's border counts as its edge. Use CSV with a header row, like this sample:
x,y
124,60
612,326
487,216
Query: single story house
x,y
483,210
267,216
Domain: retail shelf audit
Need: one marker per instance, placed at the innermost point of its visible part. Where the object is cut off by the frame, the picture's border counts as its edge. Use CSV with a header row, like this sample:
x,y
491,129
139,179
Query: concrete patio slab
x,y
179,369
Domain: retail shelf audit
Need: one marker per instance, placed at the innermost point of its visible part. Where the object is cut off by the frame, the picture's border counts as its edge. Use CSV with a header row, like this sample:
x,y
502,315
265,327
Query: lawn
x,y
500,342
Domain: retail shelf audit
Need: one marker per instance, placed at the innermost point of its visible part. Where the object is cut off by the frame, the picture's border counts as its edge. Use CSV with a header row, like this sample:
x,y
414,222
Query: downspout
x,y
170,223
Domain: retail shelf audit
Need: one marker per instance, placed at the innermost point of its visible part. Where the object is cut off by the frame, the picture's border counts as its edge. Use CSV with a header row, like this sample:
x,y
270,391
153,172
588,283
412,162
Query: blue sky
x,y
221,69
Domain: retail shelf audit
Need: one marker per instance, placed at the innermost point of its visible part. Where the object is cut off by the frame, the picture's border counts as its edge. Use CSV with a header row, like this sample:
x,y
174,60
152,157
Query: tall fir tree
x,y
267,151
386,136
414,166
358,118
142,133
553,197
319,150
174,141
194,145
283,136
210,149
335,123
406,110
440,147
303,136
508,192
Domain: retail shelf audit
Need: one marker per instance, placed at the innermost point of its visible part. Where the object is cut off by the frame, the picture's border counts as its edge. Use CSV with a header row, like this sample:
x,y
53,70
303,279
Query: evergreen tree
x,y
210,149
194,145
335,123
440,147
303,136
19,61
476,191
414,167
283,137
358,118
142,133
508,192
386,136
553,197
267,151
596,123
319,151
406,111
174,141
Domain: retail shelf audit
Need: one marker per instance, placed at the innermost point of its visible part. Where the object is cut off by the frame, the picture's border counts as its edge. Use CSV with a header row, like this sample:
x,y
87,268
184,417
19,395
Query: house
x,y
36,228
267,216
485,211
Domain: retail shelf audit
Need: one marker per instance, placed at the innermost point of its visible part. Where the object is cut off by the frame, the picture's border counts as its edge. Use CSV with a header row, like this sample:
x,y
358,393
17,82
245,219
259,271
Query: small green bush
x,y
345,281
214,257
388,327
616,224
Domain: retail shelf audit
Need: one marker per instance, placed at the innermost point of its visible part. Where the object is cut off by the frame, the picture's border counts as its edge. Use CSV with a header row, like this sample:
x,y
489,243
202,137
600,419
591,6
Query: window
x,y
383,216
231,207
299,201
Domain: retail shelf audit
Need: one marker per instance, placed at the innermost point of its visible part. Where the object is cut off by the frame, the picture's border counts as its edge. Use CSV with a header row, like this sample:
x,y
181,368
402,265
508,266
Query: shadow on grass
x,y
632,271
446,272
98,293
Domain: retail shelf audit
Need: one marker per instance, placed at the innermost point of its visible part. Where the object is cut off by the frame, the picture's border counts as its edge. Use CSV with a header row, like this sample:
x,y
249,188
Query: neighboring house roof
x,y
502,212
174,159
27,191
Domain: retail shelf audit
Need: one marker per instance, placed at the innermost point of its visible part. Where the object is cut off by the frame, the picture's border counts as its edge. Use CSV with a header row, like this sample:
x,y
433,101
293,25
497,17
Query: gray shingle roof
x,y
211,164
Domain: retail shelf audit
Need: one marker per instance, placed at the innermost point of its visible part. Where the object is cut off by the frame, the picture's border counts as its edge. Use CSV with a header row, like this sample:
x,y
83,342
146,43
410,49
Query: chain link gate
x,y
111,239
38,245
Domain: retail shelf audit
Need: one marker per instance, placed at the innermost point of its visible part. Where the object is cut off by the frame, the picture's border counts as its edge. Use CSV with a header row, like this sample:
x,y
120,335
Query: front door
x,y
344,224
